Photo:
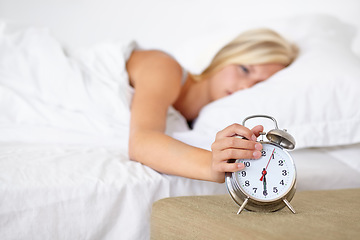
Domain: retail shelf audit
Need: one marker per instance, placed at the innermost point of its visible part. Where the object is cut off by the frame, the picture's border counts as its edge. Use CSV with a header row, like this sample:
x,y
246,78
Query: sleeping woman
x,y
159,83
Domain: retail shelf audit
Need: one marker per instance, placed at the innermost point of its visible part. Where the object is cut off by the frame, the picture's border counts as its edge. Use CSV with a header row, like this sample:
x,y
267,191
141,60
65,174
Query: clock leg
x,y
243,205
289,206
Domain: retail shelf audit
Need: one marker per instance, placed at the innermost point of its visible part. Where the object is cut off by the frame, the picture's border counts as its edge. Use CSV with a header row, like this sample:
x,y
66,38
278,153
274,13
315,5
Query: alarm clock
x,y
266,184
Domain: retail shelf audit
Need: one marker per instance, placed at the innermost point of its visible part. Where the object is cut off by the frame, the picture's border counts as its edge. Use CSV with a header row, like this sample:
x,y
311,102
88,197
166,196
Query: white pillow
x,y
316,98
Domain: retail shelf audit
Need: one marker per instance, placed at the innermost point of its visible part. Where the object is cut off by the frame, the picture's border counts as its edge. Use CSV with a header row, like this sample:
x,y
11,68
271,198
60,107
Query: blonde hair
x,y
258,46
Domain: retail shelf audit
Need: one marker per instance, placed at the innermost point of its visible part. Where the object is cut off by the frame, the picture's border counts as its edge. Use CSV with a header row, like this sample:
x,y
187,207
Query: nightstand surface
x,y
331,214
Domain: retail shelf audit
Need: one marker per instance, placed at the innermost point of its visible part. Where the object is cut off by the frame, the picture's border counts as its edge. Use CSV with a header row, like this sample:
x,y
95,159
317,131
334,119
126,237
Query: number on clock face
x,y
268,178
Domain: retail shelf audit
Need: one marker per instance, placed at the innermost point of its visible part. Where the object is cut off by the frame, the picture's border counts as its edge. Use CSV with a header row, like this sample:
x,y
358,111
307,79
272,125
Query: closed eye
x,y
244,69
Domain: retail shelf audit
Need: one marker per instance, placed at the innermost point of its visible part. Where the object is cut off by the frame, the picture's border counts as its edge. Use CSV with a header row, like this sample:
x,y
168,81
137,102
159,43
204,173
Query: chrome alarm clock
x,y
268,183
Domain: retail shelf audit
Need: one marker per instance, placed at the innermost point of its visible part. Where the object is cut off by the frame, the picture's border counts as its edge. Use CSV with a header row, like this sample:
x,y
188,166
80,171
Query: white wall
x,y
161,23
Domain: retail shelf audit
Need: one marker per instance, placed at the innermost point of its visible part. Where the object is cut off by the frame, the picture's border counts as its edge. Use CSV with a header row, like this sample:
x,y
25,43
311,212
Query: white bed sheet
x,y
95,192
328,168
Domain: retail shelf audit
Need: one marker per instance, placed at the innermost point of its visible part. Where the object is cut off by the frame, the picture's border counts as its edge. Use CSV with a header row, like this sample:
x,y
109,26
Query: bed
x,y
64,168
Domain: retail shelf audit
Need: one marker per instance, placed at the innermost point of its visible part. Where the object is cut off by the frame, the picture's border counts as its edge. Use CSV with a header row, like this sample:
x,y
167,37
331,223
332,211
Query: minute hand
x,y
262,176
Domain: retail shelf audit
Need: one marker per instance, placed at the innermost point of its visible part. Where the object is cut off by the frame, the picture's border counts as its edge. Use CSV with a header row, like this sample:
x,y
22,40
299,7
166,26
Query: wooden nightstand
x,y
333,214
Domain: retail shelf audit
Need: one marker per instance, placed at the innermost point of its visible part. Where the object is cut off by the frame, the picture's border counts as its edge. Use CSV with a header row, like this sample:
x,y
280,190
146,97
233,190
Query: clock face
x,y
269,177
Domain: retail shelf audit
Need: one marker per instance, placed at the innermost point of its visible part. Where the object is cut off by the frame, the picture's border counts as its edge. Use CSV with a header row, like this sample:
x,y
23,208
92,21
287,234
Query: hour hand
x,y
263,173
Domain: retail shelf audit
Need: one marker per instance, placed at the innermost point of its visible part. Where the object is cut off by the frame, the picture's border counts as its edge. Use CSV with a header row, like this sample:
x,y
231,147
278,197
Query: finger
x,y
232,153
230,167
236,143
236,130
257,129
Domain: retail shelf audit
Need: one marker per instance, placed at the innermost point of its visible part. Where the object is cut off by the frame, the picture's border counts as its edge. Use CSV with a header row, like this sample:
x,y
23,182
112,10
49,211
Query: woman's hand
x,y
226,146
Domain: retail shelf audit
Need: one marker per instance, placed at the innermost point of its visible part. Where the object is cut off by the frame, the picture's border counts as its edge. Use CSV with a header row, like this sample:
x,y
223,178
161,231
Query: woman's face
x,y
233,78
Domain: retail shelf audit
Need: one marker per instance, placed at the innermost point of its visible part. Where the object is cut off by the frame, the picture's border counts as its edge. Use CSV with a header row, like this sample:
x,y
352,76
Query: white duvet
x,y
85,94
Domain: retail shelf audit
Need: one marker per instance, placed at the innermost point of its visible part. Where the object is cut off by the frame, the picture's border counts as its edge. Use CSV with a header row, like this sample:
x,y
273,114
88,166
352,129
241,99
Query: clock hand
x,y
263,173
266,166
264,178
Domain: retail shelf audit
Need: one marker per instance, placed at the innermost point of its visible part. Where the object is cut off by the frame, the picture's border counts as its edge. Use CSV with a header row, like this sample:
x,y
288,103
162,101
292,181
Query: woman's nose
x,y
244,85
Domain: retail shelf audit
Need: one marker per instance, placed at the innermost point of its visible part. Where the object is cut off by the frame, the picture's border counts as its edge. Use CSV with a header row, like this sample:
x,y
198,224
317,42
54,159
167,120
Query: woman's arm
x,y
157,81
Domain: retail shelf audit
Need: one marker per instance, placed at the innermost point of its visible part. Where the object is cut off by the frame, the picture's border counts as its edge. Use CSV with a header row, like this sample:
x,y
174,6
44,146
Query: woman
x,y
157,78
